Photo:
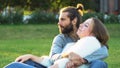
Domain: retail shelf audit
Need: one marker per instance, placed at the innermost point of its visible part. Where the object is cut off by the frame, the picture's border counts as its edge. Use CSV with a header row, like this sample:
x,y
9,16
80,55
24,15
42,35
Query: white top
x,y
83,47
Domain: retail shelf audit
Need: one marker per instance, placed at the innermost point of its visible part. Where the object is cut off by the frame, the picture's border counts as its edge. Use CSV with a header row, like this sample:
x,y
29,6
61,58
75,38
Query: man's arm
x,y
59,43
57,47
101,53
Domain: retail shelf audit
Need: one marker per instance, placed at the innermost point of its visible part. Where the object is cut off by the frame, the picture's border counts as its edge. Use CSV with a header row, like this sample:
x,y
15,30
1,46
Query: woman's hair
x,y
100,31
74,12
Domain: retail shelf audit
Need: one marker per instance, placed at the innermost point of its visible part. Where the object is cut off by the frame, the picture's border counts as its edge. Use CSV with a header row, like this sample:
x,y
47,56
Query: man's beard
x,y
67,29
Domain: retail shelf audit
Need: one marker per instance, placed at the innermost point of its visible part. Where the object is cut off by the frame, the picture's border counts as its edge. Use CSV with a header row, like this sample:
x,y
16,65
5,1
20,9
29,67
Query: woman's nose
x,y
80,25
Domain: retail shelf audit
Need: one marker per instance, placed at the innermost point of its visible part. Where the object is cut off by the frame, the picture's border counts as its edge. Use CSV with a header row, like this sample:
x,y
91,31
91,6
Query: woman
x,y
93,35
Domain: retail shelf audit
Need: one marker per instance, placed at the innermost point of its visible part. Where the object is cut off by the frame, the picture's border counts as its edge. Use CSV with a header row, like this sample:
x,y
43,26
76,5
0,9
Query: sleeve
x,y
57,47
101,53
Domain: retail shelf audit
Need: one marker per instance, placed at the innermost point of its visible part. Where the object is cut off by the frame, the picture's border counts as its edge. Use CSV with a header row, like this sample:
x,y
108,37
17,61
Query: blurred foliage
x,y
45,11
111,18
48,5
43,17
38,17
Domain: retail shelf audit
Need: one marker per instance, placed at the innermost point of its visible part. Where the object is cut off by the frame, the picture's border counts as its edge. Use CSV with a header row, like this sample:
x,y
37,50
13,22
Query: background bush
x,y
43,17
11,18
111,18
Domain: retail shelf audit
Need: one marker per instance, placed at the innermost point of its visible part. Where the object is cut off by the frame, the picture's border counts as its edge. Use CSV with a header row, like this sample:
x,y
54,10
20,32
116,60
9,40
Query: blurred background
x,y
41,11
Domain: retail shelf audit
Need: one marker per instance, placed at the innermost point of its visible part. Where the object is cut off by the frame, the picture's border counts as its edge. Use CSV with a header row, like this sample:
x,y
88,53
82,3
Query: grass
x,y
114,44
16,40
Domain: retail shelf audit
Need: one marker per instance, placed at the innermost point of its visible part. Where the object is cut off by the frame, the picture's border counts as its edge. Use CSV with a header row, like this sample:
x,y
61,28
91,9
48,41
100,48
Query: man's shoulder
x,y
61,36
64,36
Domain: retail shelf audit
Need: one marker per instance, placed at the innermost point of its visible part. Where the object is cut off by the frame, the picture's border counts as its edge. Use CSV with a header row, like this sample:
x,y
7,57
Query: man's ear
x,y
74,21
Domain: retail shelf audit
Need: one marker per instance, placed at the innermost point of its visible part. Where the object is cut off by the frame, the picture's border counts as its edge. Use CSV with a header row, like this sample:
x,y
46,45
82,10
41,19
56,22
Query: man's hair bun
x,y
80,8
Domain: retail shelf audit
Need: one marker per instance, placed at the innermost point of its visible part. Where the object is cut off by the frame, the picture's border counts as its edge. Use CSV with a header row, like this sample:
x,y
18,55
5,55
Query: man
x,y
69,21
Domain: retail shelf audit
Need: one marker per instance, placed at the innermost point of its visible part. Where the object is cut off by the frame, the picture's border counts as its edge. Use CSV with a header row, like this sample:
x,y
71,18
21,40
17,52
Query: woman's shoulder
x,y
89,40
92,38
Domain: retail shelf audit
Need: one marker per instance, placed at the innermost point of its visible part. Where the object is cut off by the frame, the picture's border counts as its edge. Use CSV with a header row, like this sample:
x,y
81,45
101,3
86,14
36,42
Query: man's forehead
x,y
64,14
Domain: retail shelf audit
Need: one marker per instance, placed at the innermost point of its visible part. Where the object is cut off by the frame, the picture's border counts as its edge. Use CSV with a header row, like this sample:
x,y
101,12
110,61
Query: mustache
x,y
60,26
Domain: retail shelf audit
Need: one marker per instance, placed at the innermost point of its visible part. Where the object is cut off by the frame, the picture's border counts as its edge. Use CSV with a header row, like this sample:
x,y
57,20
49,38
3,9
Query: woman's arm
x,y
82,48
99,54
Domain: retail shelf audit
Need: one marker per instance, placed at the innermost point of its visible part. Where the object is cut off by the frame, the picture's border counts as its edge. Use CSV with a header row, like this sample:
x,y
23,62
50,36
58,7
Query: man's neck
x,y
73,35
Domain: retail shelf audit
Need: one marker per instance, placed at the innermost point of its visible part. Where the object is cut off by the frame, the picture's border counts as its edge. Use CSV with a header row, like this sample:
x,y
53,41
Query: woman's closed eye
x,y
86,25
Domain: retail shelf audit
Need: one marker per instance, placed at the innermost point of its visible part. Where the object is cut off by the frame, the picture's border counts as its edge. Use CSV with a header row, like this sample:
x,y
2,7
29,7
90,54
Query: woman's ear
x,y
74,21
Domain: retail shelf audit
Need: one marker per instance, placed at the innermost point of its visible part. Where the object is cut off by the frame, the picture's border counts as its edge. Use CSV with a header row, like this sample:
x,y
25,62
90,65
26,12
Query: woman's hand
x,y
23,58
70,64
75,60
54,66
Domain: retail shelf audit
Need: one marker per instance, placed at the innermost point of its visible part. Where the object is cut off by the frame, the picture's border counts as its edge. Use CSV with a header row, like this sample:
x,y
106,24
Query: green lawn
x,y
114,44
16,40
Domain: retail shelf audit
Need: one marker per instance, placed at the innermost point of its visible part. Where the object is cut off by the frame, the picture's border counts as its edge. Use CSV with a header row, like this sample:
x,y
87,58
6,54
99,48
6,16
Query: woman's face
x,y
85,28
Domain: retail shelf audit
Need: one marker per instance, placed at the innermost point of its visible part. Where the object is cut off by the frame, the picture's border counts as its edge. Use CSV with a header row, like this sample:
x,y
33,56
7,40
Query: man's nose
x,y
59,22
